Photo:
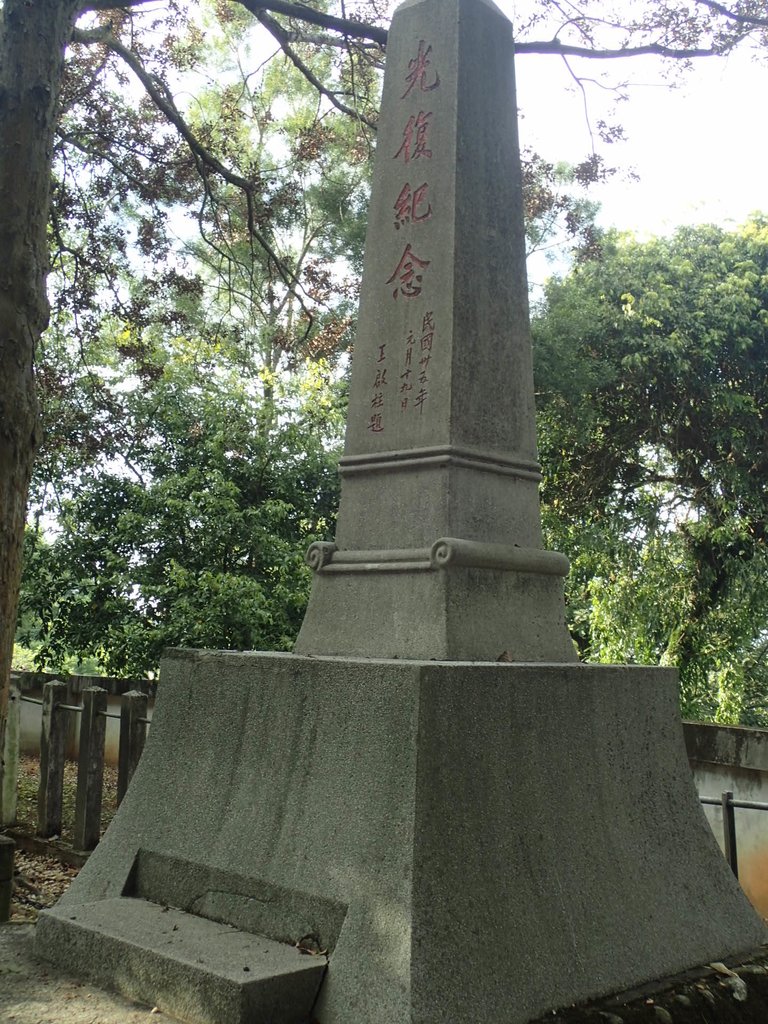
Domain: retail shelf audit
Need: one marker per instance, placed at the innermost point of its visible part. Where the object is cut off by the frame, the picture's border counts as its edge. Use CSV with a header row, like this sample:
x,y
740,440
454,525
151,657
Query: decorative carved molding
x,y
446,553
439,456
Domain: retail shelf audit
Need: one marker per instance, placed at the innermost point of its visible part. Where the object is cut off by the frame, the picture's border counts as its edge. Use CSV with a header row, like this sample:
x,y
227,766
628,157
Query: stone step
x,y
192,968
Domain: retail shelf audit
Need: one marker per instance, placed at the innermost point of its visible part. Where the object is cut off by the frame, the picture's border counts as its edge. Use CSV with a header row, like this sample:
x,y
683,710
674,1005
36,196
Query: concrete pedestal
x,y
469,842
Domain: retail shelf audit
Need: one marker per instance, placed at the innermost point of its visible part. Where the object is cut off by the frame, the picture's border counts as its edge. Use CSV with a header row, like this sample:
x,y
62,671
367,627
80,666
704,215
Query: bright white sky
x,y
700,150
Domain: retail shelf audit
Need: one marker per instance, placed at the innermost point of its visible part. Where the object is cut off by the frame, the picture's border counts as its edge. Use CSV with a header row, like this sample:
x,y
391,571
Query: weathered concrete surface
x,y
441,429
194,968
734,746
474,842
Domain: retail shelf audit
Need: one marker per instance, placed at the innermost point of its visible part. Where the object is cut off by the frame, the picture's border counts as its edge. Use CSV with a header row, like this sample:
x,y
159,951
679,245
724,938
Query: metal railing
x,y
728,805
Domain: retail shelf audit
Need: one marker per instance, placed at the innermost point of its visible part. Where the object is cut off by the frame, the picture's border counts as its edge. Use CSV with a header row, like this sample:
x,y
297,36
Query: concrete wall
x,y
31,685
736,759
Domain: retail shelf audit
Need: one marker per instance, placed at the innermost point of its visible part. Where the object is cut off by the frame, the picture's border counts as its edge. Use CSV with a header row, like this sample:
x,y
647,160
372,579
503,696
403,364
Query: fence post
x,y
729,832
90,769
52,743
7,847
133,733
9,770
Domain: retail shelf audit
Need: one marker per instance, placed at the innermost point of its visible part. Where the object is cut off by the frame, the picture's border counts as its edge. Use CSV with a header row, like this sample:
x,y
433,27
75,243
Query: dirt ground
x,y
32,992
736,993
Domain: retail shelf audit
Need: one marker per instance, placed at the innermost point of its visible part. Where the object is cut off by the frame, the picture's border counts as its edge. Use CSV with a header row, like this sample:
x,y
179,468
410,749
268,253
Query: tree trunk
x,y
33,35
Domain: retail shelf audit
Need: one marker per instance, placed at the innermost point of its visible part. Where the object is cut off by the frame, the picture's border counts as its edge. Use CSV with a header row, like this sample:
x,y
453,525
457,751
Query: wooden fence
x,y
90,762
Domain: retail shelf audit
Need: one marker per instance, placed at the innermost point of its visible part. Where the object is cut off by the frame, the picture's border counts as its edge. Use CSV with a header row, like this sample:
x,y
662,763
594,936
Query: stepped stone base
x,y
470,842
193,968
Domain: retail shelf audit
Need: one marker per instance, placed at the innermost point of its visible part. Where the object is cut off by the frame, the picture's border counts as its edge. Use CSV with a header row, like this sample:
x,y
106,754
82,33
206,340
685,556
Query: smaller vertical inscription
x,y
414,379
378,392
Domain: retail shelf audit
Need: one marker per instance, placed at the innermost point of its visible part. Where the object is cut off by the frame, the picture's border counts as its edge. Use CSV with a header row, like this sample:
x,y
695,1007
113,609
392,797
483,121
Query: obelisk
x,y
438,551
455,839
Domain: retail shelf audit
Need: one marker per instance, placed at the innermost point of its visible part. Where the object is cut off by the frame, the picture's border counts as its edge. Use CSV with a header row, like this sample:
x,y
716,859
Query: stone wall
x,y
729,758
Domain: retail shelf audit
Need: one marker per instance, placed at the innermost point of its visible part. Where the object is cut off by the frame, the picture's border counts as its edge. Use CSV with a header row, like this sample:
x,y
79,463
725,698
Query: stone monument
x,y
392,826
438,550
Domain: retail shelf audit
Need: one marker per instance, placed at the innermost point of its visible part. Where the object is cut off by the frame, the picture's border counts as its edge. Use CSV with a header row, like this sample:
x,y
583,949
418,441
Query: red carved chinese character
x,y
381,378
408,354
378,400
417,71
428,323
382,357
375,423
407,274
409,205
415,138
426,341
421,399
404,404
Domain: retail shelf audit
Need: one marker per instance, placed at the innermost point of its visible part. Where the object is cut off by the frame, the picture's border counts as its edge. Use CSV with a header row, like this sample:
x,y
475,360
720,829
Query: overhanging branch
x,y
279,33
160,95
553,47
347,27
556,48
725,12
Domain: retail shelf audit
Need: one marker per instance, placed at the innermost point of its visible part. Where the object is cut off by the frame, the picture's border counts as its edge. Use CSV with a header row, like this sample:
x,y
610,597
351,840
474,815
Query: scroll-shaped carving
x,y
319,555
450,551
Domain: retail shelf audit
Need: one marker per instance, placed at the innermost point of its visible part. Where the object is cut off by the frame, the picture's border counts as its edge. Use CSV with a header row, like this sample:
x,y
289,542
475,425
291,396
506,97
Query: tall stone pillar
x,y
438,551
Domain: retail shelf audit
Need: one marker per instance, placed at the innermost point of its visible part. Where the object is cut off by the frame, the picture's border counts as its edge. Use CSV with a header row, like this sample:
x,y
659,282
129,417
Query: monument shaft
x,y
441,443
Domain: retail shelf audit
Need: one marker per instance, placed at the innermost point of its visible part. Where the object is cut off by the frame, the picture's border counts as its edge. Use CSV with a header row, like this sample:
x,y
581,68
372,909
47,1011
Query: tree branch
x,y
279,33
347,27
114,5
163,100
377,34
555,47
741,19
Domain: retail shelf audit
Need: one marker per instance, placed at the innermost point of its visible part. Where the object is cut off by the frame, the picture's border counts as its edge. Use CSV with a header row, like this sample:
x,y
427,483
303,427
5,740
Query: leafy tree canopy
x,y
652,379
195,536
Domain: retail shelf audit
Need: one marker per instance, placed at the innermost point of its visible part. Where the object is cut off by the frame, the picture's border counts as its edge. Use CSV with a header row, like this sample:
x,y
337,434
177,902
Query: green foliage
x,y
189,381
652,376
196,536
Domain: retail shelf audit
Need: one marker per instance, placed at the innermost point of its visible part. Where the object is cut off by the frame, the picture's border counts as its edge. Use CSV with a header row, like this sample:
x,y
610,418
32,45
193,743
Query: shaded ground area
x,y
32,992
45,869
